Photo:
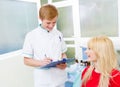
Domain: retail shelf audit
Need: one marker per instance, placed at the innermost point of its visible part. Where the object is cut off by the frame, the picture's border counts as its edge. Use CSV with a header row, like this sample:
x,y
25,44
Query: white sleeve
x,y
27,50
64,47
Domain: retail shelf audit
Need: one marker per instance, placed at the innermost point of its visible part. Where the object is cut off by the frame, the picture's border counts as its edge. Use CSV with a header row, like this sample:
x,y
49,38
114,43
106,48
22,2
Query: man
x,y
43,45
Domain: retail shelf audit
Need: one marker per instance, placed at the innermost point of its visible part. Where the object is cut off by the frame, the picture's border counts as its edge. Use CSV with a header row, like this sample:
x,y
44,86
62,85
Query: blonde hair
x,y
48,12
106,59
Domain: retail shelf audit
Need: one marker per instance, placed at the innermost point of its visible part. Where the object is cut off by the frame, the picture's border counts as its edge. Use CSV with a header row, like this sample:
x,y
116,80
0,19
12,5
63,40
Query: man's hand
x,y
61,65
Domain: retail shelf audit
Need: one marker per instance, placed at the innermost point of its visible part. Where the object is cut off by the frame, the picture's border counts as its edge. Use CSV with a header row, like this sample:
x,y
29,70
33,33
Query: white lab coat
x,y
40,43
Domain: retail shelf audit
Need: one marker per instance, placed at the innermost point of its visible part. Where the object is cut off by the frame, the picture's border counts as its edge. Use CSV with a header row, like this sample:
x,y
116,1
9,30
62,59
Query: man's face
x,y
49,24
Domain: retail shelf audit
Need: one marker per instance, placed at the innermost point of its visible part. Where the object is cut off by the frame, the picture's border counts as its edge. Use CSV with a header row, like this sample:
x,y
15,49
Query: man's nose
x,y
51,25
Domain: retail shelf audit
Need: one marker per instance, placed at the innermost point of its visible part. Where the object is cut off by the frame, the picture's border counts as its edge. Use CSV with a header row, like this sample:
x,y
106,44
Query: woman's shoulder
x,y
115,78
115,75
115,71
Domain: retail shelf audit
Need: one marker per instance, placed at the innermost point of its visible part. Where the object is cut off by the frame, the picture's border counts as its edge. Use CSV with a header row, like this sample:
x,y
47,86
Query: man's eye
x,y
54,22
48,23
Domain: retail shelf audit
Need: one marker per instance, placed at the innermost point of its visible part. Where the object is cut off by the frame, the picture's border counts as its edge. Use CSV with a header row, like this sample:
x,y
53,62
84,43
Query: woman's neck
x,y
96,67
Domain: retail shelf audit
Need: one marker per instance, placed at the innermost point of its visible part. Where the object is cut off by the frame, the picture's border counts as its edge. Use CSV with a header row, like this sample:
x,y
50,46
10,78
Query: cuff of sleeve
x,y
27,55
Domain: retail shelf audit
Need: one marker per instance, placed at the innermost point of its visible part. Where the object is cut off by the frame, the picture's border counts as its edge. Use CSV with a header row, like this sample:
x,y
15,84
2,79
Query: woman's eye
x,y
88,48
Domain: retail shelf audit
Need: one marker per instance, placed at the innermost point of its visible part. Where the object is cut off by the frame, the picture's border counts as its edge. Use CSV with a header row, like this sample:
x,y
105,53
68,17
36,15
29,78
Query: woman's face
x,y
91,55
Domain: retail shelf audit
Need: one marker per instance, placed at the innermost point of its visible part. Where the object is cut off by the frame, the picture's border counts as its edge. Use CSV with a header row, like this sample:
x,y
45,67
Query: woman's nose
x,y
86,51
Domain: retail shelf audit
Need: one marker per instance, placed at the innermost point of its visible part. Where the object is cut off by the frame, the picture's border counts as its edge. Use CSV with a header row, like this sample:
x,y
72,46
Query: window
x,y
80,20
99,17
16,19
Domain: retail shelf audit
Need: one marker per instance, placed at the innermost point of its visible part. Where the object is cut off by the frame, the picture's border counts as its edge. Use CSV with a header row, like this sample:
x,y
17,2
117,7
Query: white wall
x,y
13,73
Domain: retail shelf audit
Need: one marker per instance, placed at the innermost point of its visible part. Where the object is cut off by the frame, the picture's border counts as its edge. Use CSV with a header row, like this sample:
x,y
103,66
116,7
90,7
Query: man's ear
x,y
41,18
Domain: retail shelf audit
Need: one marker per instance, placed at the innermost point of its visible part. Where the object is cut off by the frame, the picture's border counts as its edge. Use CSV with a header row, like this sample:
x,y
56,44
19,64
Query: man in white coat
x,y
43,45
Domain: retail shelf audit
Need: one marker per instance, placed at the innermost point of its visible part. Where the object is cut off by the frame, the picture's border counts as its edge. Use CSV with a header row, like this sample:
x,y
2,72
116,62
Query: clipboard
x,y
54,63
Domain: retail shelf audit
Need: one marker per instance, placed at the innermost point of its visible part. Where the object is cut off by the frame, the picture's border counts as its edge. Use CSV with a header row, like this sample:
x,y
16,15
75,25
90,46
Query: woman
x,y
103,70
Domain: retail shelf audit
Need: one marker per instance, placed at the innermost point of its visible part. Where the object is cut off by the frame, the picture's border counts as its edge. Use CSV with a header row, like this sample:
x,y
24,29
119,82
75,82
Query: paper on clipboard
x,y
54,63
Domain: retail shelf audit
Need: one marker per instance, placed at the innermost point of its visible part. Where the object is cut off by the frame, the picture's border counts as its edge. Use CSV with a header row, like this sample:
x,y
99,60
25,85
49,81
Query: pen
x,y
46,57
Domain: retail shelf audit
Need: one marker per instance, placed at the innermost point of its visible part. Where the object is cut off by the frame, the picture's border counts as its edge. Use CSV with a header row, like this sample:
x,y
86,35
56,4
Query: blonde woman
x,y
103,71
